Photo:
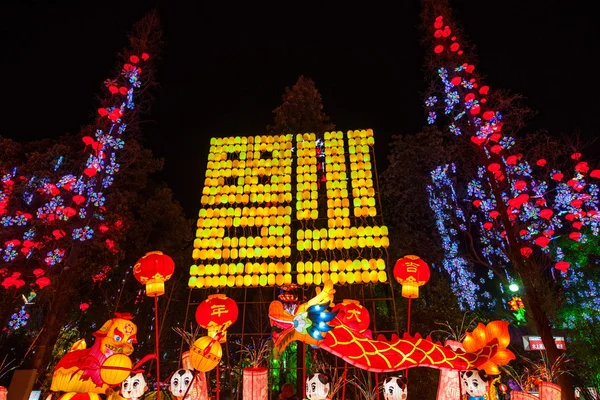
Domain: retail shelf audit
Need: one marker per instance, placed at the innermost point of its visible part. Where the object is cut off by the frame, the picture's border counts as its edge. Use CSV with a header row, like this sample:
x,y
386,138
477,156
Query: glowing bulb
x,y
513,287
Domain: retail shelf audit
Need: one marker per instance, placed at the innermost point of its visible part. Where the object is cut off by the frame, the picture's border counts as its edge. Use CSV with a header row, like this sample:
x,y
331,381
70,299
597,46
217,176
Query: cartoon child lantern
x,y
318,387
476,386
184,386
134,387
395,388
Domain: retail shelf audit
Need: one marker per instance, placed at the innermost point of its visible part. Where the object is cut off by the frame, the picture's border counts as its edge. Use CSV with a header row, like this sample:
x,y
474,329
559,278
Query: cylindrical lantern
x,y
411,272
115,369
449,383
216,314
549,391
255,384
516,395
199,390
205,354
153,270
3,393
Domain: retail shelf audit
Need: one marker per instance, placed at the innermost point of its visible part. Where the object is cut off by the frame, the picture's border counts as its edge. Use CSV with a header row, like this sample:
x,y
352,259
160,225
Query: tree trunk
x,y
544,330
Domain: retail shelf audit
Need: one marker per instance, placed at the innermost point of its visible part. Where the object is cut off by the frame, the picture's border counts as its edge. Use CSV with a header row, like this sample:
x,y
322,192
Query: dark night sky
x,y
225,67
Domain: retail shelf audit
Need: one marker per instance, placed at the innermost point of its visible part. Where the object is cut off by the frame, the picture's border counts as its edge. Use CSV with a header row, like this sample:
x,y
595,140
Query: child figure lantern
x,y
134,387
395,388
217,313
318,387
475,385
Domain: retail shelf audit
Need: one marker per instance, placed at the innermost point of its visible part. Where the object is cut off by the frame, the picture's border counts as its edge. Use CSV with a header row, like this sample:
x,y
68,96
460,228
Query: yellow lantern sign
x,y
252,196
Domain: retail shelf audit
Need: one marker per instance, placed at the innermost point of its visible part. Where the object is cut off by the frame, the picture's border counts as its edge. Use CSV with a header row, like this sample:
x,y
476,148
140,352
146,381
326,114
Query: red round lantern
x,y
352,314
216,314
411,272
153,270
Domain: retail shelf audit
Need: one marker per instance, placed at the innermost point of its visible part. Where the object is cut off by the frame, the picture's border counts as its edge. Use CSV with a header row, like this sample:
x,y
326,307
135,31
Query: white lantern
x,y
255,384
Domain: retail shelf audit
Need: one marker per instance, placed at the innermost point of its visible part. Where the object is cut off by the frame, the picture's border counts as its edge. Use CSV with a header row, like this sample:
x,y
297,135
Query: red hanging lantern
x,y
216,314
352,314
153,270
411,272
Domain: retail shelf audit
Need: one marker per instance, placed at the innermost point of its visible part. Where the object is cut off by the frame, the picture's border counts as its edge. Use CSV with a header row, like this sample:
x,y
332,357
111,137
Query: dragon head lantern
x,y
411,272
217,313
153,270
308,322
117,335
352,314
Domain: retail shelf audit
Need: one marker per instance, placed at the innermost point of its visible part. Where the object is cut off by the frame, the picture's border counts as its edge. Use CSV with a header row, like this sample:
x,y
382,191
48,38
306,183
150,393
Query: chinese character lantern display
x,y
153,270
352,314
217,313
411,272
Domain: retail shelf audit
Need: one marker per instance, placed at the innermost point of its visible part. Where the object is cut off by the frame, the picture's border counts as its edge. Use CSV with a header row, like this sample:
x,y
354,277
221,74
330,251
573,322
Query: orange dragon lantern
x,y
104,364
336,330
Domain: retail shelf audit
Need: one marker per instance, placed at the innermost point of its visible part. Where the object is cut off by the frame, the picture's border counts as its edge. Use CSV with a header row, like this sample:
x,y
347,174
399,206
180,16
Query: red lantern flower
x,y
411,272
546,213
216,314
526,251
542,241
438,49
352,314
153,270
595,173
575,236
541,162
562,266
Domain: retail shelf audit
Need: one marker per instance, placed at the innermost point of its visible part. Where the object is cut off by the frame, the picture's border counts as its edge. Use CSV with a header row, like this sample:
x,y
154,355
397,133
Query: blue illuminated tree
x,y
508,219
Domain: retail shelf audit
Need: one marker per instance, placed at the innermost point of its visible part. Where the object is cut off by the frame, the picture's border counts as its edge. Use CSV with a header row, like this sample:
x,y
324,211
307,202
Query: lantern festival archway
x,y
280,215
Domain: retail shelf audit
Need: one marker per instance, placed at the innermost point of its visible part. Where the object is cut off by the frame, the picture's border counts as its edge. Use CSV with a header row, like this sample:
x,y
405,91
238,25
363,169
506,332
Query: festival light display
x,y
287,209
513,203
314,323
46,217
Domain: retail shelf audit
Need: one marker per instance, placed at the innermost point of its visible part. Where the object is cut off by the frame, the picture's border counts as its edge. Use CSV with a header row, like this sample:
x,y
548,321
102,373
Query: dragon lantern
x,y
314,323
104,364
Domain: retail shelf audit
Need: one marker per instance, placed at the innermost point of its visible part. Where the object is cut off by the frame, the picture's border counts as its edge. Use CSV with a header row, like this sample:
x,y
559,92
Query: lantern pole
x,y
344,386
408,322
218,384
157,348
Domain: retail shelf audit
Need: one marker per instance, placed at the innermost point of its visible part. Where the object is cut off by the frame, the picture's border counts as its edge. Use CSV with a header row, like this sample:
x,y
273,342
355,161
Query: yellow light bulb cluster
x,y
338,205
342,271
240,275
363,192
342,238
272,225
244,235
306,177
243,170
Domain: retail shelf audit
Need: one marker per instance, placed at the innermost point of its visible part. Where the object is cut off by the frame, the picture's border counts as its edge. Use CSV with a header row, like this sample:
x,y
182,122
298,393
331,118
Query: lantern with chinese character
x,y
411,272
352,314
216,314
153,270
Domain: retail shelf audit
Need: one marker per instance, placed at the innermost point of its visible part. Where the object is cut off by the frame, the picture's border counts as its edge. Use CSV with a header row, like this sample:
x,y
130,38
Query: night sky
x,y
225,67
